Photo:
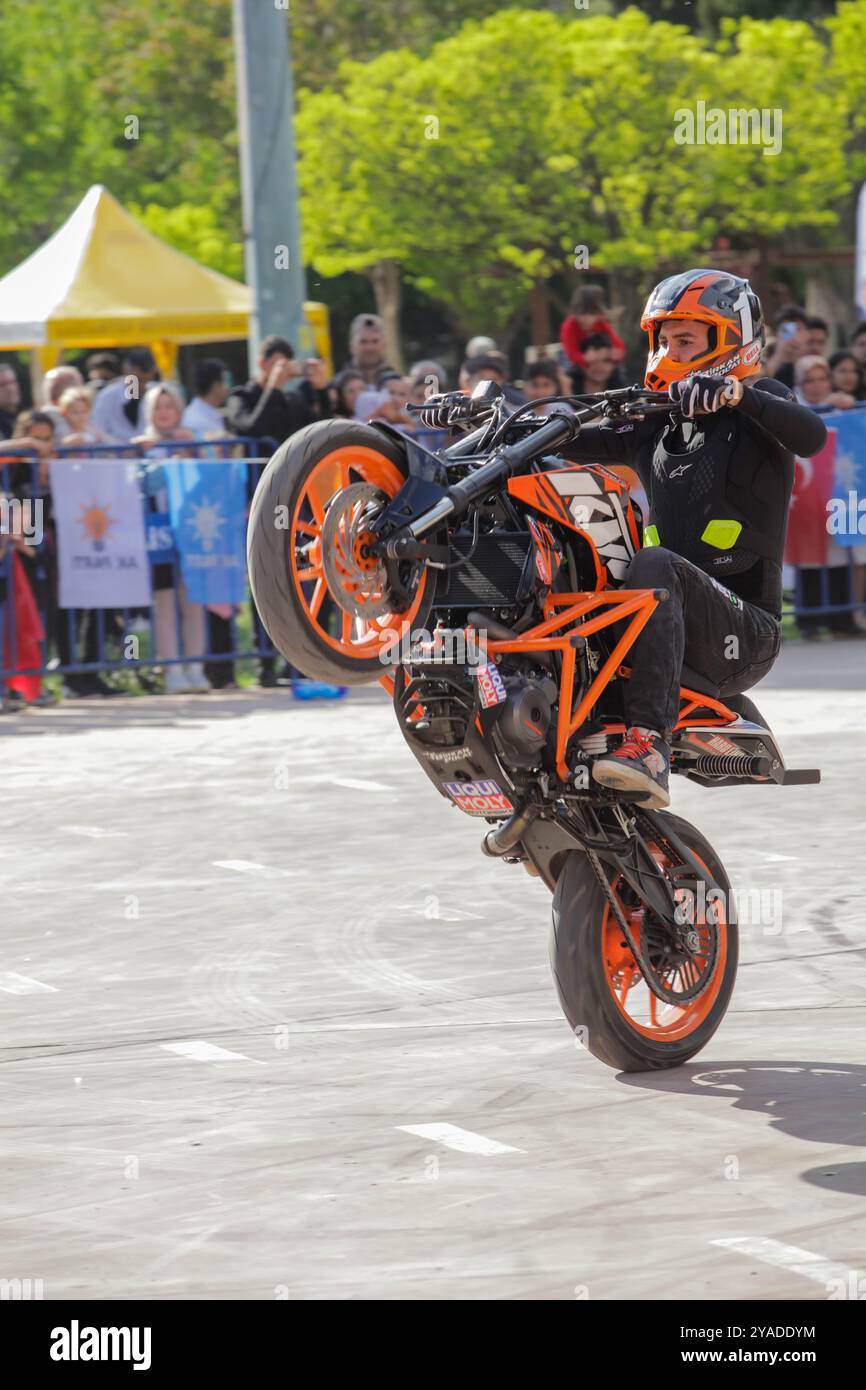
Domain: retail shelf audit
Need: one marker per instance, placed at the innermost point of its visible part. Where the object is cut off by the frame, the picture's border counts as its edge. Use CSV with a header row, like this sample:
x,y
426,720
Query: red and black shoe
x,y
640,765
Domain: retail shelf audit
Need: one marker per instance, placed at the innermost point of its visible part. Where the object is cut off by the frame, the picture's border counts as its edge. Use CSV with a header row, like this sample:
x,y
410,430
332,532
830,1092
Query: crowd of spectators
x,y
123,402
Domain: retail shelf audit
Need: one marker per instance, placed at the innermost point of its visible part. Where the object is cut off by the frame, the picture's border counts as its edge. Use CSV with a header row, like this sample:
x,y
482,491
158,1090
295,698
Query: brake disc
x,y
356,578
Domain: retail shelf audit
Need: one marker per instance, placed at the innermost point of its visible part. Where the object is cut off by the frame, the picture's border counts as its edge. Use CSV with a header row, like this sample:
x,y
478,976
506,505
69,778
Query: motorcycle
x,y
482,582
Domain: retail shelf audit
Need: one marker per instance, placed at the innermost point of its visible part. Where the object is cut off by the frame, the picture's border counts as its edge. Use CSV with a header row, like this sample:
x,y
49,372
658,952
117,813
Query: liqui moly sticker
x,y
491,690
479,798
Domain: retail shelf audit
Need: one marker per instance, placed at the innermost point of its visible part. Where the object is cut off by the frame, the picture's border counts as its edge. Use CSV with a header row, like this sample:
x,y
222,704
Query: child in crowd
x,y
588,316
75,406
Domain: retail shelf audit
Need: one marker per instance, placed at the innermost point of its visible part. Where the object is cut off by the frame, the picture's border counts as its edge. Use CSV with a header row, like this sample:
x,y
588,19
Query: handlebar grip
x,y
434,417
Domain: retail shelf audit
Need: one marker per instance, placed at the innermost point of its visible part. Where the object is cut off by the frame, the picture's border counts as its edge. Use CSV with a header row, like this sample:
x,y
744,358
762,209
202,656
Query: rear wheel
x,y
327,603
603,993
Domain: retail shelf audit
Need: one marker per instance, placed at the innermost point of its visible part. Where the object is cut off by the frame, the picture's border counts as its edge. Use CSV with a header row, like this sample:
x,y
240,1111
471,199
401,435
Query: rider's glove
x,y
436,411
703,395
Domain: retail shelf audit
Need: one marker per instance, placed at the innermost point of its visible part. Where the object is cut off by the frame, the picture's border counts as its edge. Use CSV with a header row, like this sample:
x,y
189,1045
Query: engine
x,y
524,720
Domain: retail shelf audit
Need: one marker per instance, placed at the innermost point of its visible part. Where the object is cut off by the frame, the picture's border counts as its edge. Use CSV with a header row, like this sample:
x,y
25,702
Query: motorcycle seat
x,y
695,681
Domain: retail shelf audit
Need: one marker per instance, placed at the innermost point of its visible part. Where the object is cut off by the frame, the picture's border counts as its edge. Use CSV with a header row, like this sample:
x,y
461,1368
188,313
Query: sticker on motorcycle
x,y
448,755
479,798
491,690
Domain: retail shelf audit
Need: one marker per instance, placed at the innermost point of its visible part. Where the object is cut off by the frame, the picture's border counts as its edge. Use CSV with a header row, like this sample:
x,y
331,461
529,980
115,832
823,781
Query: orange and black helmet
x,y
730,308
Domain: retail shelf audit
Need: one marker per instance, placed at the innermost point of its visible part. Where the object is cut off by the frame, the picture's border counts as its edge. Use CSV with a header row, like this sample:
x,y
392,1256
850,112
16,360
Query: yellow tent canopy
x,y
104,280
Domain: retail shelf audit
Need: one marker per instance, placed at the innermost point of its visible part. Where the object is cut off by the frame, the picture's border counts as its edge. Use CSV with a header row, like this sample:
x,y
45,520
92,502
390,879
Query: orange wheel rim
x,y
657,1019
360,638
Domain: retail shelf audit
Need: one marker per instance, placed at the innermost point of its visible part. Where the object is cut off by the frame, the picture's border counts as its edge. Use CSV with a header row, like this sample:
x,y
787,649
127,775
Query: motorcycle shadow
x,y
821,1102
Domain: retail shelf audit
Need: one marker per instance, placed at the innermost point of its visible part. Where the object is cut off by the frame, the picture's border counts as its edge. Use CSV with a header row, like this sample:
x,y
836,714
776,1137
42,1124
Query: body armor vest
x,y
718,494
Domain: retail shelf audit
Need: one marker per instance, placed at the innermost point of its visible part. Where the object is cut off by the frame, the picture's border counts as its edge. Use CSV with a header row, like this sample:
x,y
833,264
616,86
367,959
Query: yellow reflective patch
x,y
722,534
651,536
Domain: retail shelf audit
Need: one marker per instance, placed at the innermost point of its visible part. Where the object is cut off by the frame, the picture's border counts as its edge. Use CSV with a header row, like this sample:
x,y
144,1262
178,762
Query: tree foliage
x,y
477,146
482,165
71,78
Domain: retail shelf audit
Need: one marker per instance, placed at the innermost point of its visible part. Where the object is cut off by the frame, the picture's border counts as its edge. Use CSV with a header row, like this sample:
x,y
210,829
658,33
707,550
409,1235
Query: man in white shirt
x,y
116,408
204,415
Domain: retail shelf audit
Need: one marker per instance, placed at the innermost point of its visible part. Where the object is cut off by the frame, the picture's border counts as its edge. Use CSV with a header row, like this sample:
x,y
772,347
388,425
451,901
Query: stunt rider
x,y
718,481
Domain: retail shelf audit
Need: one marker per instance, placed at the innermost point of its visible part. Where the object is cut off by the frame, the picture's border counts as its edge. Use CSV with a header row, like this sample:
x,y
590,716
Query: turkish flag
x,y
806,542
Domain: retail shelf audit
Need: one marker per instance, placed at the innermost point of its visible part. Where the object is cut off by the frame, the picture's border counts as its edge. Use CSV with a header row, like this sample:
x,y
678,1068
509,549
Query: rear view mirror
x,y
487,391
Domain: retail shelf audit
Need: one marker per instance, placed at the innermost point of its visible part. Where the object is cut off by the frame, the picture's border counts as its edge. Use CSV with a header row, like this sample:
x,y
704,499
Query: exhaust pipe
x,y
505,837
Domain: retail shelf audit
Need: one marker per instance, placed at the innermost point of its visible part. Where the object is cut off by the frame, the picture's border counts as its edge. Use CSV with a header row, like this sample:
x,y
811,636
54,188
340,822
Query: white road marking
x,y
463,1140
12,983
202,761
199,1051
778,858
93,832
790,1257
355,784
248,866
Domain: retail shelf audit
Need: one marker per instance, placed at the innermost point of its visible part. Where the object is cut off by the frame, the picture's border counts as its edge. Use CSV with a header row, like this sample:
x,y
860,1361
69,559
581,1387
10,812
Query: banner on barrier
x,y
829,497
207,506
846,507
101,552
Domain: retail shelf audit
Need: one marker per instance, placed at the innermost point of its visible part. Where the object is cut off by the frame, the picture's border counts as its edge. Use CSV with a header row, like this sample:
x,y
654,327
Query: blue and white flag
x,y
846,508
207,506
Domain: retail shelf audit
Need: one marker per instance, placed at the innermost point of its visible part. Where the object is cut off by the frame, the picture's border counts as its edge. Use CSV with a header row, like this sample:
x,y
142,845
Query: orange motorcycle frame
x,y
568,617
571,616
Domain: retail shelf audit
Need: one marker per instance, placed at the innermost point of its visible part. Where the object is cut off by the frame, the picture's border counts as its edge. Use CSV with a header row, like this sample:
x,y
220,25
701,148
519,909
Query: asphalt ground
x,y
271,1027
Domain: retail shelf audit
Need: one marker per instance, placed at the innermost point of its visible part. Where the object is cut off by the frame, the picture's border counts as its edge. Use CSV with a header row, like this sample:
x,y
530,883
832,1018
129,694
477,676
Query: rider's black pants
x,y
702,624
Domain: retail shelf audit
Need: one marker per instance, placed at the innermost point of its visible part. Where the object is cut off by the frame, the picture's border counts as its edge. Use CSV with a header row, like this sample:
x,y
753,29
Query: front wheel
x,y
603,993
328,604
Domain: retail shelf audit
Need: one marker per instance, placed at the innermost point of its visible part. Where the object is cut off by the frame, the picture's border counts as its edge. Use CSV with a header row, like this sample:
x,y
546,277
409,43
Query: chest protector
x,y
706,501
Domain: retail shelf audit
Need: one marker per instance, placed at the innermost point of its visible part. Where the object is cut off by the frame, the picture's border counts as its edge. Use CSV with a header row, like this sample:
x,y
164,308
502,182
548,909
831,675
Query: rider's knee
x,y
650,568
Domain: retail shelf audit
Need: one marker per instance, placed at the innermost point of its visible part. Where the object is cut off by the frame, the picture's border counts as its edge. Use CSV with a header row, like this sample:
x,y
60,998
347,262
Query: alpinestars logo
x,y
601,516
679,470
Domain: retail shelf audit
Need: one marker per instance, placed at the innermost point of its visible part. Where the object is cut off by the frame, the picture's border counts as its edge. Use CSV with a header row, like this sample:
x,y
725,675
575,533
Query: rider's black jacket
x,y
719,487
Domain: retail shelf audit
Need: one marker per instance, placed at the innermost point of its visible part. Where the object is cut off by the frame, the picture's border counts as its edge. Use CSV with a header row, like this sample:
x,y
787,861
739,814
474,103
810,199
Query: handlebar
x,y
507,460
628,402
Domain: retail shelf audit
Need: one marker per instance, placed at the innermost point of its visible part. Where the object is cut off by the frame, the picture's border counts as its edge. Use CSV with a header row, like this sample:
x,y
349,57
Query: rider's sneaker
x,y
640,765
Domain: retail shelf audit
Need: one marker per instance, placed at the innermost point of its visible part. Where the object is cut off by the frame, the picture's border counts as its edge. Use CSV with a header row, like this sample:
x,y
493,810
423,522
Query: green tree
x,y
480,167
197,231
74,80
847,74
325,34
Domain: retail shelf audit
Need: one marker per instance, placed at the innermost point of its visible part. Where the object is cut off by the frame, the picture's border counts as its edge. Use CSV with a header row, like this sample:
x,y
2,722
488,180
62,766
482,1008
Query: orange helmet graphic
x,y
732,312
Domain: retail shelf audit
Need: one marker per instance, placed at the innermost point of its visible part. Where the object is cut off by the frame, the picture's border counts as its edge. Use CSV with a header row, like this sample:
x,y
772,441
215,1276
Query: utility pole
x,y
271,221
